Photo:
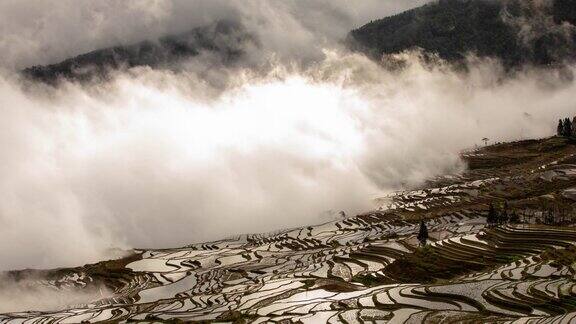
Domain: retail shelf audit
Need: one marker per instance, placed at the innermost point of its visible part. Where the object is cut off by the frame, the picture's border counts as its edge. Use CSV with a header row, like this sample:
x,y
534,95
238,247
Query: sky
x,y
165,158
43,32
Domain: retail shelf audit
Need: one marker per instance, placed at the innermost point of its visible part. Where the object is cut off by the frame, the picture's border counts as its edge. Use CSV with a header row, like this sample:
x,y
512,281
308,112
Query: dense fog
x,y
163,158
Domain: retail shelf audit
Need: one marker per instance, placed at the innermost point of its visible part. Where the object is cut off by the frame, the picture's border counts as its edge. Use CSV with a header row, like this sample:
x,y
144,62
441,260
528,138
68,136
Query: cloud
x,y
42,32
540,29
54,146
38,294
154,158
148,160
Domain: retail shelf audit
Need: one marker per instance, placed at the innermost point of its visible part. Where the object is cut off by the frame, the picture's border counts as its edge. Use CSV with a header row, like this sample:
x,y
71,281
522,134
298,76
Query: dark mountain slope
x,y
224,39
515,31
564,11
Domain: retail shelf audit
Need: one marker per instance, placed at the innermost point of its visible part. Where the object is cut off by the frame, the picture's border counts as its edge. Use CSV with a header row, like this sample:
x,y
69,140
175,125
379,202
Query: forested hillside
x,y
224,39
515,31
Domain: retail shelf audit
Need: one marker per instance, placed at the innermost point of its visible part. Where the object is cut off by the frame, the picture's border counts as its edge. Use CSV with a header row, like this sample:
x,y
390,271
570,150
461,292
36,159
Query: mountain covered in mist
x,y
514,31
223,40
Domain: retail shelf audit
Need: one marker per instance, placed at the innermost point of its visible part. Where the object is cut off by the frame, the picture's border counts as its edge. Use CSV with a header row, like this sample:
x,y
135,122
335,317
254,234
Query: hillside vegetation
x,y
515,31
222,39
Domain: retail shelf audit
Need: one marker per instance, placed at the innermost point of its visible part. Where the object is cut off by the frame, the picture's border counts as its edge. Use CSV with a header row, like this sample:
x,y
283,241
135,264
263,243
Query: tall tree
x,y
503,217
423,233
567,127
560,128
549,217
492,217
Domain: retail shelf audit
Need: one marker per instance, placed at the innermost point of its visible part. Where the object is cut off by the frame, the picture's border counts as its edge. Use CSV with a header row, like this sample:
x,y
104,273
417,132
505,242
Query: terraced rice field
x,y
370,267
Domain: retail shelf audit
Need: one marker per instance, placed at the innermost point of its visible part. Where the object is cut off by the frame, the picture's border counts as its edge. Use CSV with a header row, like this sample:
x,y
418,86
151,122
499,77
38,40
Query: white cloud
x,y
148,161
159,159
42,31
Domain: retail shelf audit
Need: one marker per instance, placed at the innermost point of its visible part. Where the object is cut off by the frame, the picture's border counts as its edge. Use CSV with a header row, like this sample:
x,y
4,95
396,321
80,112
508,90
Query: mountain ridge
x,y
224,39
516,32
513,31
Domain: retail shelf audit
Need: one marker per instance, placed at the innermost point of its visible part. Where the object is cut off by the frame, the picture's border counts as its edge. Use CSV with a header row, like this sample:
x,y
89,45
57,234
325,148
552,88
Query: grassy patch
x,y
560,257
427,265
368,281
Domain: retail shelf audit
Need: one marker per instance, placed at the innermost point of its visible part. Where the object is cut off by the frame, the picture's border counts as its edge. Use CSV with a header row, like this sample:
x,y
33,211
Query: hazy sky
x,y
43,31
156,158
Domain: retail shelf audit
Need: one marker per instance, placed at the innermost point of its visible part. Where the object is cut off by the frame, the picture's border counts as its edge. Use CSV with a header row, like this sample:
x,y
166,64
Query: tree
x,y
574,126
560,128
549,217
567,127
492,217
514,219
423,233
503,217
